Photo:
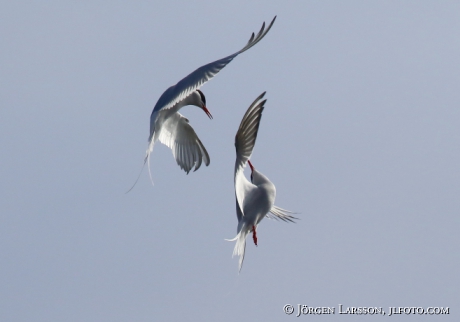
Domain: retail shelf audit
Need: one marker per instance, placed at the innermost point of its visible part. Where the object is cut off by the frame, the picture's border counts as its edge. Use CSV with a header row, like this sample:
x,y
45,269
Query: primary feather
x,y
187,148
203,74
254,200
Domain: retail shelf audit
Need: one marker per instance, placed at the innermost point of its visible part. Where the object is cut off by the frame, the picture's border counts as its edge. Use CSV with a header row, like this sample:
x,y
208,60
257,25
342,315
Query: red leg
x,y
254,234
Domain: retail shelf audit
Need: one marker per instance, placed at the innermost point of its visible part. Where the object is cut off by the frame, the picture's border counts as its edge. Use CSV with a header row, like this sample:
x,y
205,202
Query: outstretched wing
x,y
179,136
281,214
245,140
196,79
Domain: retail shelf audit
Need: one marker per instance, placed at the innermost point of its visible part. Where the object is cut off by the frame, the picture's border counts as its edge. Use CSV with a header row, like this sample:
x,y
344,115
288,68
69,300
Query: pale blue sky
x,y
360,135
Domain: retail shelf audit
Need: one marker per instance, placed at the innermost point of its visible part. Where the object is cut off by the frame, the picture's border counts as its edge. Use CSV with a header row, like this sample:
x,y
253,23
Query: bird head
x,y
202,103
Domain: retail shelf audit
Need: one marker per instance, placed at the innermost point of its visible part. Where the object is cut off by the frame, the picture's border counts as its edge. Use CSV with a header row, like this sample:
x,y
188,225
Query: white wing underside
x,y
177,134
196,79
281,214
245,140
188,156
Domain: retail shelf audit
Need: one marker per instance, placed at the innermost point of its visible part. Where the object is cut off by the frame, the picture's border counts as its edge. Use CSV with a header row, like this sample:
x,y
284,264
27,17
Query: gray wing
x,y
281,214
245,140
196,79
187,149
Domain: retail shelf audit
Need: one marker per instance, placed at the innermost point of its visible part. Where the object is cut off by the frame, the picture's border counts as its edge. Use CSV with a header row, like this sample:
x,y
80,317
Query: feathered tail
x,y
147,156
240,246
146,160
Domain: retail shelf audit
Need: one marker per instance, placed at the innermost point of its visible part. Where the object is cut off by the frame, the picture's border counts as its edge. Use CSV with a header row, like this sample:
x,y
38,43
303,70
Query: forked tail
x,y
146,160
240,246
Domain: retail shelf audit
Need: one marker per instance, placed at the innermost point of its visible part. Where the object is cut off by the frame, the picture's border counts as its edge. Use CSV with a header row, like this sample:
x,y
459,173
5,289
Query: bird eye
x,y
203,99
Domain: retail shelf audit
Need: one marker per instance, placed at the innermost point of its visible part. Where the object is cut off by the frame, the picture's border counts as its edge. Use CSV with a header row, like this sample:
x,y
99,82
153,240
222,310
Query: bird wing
x,y
196,79
245,140
179,136
282,214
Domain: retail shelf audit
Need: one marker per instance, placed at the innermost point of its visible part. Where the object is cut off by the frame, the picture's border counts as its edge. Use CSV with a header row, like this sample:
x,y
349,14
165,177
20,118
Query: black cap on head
x,y
202,96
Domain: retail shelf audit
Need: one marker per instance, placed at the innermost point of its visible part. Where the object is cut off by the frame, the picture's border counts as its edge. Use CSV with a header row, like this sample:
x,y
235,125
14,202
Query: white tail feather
x,y
140,172
146,160
240,246
148,152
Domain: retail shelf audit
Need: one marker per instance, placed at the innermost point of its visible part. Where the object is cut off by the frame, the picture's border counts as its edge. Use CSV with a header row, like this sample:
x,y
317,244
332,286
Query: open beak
x,y
207,112
250,164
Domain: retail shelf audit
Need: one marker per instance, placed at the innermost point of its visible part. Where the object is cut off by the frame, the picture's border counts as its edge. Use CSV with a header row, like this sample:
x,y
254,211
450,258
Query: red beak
x,y
207,112
250,164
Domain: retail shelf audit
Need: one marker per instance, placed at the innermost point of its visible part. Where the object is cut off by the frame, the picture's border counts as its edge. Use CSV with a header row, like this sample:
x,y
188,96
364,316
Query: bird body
x,y
173,129
255,199
261,192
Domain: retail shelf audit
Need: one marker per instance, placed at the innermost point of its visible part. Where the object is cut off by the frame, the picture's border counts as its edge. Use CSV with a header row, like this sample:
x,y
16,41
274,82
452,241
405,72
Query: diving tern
x,y
254,200
172,128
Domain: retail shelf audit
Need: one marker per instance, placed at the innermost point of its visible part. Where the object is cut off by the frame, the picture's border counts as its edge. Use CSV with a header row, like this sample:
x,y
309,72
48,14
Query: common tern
x,y
172,128
254,200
